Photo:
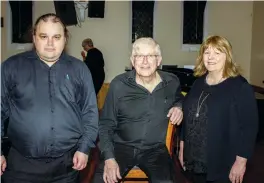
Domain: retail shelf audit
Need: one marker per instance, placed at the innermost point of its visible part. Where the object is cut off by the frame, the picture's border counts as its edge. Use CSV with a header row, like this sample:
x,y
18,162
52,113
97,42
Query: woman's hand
x,y
238,170
181,154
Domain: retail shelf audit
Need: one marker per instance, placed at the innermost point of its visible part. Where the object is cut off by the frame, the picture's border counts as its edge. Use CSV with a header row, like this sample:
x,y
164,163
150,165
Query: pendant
x,y
197,115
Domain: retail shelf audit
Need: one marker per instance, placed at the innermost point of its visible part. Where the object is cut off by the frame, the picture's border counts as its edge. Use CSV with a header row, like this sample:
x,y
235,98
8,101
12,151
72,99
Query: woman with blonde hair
x,y
220,118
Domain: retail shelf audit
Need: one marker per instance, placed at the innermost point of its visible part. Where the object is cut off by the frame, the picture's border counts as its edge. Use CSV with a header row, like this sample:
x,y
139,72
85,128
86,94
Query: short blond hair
x,y
223,45
145,41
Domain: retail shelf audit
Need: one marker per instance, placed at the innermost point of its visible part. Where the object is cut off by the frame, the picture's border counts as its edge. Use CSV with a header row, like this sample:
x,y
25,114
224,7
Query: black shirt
x,y
195,141
231,127
50,109
95,62
135,117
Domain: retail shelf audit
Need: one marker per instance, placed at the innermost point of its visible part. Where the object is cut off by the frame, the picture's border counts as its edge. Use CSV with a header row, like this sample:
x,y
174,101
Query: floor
x,y
255,169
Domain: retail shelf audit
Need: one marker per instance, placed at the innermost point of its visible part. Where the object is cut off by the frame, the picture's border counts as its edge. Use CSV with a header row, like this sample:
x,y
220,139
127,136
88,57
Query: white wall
x,y
234,21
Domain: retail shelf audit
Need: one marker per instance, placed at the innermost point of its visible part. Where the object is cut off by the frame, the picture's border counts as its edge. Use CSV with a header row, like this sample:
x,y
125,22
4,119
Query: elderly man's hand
x,y
111,171
175,114
83,55
3,164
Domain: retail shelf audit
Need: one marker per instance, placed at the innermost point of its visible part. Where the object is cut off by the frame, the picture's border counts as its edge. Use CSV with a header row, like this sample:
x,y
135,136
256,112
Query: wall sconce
x,y
82,6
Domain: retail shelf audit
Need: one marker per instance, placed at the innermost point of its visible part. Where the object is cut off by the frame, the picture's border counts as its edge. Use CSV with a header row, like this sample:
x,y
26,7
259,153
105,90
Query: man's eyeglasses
x,y
148,57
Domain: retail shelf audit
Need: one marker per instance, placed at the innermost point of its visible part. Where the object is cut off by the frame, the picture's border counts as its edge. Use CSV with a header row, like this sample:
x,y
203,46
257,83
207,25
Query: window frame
x,y
11,45
131,19
194,47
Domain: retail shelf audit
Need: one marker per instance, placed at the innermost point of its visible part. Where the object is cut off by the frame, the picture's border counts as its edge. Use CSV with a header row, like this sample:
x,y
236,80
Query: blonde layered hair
x,y
222,44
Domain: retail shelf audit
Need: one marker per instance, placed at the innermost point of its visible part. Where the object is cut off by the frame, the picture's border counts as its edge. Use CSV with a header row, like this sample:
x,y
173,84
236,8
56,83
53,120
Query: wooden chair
x,y
102,95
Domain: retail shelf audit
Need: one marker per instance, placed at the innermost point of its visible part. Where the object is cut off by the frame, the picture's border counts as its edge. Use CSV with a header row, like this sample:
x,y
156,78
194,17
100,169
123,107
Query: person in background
x,y
220,118
50,101
134,120
95,62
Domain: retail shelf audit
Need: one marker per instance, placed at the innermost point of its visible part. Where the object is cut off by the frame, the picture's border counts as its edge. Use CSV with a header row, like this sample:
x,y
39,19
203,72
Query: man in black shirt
x,y
95,62
135,117
50,101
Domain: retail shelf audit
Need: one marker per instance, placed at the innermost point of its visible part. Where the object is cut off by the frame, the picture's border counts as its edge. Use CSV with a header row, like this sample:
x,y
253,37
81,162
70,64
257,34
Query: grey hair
x,y
145,41
88,42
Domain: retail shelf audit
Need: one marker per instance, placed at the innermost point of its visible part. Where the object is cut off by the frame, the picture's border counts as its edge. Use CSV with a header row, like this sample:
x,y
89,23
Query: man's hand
x,y
175,114
83,55
238,170
111,171
79,160
3,164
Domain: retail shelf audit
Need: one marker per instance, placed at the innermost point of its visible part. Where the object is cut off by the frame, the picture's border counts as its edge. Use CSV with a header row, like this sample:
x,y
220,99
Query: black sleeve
x,y
88,105
108,122
5,80
181,127
5,111
246,106
178,96
94,60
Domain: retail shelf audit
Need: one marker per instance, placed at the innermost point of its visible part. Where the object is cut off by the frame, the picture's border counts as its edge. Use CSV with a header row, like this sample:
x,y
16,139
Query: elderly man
x,y
95,62
135,116
50,101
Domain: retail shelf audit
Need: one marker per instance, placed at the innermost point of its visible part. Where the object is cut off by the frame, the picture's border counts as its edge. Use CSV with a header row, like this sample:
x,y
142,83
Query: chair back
x,y
102,95
170,137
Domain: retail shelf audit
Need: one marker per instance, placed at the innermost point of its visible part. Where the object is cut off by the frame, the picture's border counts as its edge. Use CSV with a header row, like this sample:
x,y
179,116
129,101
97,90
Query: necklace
x,y
197,114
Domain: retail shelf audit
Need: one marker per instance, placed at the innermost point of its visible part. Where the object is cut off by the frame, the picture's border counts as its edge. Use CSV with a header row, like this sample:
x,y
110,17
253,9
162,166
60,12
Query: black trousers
x,y
98,85
201,178
50,170
155,162
98,81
